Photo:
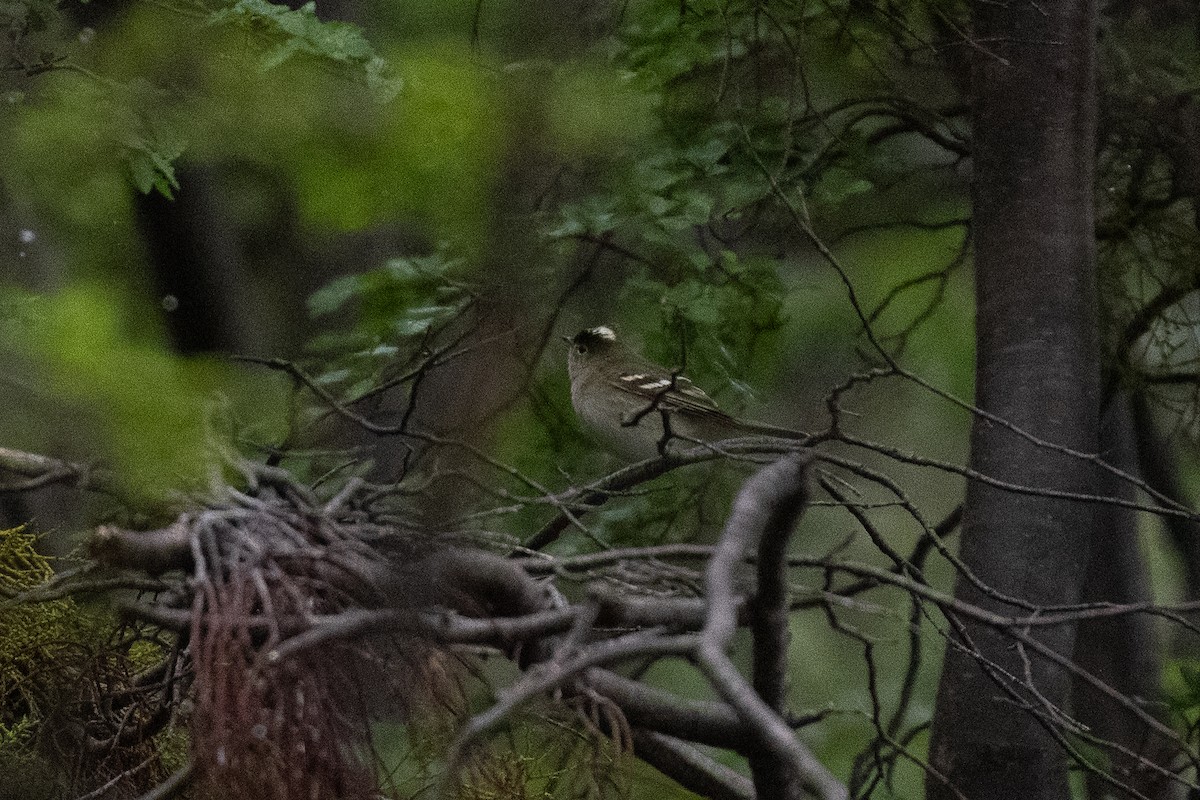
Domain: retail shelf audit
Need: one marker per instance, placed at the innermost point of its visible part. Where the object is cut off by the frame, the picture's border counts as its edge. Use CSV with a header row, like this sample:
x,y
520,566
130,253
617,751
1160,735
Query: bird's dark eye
x,y
581,348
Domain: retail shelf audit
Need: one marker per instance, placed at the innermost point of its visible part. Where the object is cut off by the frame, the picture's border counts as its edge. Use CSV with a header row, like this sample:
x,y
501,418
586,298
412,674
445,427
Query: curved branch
x,y
40,471
766,508
690,768
699,721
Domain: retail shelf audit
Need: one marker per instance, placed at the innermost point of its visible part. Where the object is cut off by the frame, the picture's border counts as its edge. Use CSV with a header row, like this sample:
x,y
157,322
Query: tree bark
x,y
1122,651
1158,459
1037,368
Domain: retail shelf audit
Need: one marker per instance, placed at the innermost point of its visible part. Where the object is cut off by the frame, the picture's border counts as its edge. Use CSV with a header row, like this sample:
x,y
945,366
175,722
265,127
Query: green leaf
x,y
839,185
707,155
403,298
151,165
595,215
334,295
301,31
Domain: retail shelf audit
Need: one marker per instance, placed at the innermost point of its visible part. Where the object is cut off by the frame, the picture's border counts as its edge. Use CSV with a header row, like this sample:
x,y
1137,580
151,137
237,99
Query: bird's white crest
x,y
605,332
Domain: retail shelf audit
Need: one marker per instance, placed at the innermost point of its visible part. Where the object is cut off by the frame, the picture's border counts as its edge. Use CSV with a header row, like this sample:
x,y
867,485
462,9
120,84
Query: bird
x,y
622,400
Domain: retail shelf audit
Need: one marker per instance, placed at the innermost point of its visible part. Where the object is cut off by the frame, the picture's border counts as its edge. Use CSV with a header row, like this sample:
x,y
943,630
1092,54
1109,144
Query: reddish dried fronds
x,y
290,727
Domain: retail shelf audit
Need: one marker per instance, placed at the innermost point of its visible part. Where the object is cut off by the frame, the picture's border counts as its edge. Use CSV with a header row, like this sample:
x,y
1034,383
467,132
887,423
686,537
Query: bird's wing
x,y
670,393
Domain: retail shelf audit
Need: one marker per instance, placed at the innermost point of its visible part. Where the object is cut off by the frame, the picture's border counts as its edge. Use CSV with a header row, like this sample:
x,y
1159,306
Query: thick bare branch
x,y
700,721
691,768
153,552
767,506
40,471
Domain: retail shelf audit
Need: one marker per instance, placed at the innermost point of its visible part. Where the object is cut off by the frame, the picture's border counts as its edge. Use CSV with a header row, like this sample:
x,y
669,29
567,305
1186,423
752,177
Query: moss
x,y
38,639
34,638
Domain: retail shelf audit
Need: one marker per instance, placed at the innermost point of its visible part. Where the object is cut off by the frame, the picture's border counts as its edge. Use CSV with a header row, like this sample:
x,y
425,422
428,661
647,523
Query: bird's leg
x,y
666,437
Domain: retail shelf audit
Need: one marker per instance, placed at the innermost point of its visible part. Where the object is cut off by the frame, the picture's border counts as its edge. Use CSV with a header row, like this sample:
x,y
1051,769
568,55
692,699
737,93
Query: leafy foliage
x,y
397,311
31,34
1147,189
402,299
299,30
1181,680
152,165
150,143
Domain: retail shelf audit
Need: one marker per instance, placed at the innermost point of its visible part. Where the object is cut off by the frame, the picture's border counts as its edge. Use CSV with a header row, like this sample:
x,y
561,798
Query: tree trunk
x,y
1037,368
1121,651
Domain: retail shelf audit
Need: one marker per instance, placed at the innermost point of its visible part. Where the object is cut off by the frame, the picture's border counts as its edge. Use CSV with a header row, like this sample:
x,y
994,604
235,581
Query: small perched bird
x,y
622,399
